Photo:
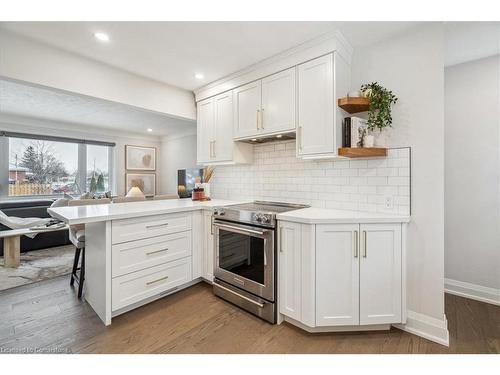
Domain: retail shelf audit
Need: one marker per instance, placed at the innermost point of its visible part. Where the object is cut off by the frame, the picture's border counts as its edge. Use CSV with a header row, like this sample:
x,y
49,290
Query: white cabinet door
x,y
247,103
337,274
198,247
278,102
380,273
205,128
222,146
208,248
316,128
290,274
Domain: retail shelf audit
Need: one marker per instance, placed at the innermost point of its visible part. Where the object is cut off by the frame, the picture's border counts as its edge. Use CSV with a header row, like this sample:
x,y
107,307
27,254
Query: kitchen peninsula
x,y
141,251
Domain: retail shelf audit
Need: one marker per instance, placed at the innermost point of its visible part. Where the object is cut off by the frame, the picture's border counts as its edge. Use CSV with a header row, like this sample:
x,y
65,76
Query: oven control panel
x,y
219,211
262,218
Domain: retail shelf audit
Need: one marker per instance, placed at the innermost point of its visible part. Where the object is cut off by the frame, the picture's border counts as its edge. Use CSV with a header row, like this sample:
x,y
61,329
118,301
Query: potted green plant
x,y
379,112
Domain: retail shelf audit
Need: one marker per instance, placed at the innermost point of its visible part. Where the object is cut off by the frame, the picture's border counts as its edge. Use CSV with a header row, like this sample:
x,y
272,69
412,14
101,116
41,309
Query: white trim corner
x,y
425,326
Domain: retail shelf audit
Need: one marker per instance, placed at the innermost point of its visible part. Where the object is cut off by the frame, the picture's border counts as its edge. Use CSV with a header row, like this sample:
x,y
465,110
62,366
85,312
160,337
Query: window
x,y
97,178
47,166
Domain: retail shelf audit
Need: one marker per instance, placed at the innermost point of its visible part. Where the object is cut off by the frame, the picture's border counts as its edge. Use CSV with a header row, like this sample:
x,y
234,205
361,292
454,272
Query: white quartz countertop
x,y
331,216
115,211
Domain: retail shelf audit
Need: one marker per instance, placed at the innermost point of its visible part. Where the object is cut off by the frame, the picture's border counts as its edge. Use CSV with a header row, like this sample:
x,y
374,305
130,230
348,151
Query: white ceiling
x,y
468,41
47,104
172,52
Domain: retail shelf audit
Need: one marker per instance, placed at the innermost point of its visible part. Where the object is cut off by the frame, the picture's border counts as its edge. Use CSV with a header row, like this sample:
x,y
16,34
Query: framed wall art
x,y
140,158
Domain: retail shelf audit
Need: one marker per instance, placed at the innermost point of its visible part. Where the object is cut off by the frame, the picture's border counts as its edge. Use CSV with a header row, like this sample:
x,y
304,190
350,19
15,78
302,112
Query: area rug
x,y
38,265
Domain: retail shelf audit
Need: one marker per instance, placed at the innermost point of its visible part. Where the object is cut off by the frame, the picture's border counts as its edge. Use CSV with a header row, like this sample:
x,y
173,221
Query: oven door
x,y
244,257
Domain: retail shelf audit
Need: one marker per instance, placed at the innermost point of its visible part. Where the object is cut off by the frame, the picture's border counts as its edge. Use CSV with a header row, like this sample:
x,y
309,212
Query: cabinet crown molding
x,y
330,42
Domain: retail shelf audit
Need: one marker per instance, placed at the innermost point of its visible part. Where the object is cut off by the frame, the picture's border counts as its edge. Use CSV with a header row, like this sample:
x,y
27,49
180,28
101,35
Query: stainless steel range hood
x,y
269,138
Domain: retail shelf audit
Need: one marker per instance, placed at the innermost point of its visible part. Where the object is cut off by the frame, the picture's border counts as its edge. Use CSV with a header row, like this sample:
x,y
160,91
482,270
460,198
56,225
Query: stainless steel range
x,y
245,255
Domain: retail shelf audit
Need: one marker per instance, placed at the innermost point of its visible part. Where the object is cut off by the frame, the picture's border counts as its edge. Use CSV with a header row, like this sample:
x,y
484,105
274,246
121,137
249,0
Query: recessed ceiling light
x,y
254,140
199,76
149,130
279,136
103,37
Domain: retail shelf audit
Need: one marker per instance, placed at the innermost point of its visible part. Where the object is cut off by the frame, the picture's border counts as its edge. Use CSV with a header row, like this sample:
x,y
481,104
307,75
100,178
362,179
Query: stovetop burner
x,y
270,207
259,213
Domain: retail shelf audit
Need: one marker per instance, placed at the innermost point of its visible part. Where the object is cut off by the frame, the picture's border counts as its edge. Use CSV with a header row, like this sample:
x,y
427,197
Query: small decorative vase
x,y
380,139
369,140
206,188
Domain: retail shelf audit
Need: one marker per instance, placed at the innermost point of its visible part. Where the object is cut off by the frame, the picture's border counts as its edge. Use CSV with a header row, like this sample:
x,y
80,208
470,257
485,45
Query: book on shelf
x,y
346,132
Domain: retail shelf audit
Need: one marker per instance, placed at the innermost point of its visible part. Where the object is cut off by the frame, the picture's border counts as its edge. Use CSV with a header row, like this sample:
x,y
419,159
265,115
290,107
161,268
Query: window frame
x,y
81,164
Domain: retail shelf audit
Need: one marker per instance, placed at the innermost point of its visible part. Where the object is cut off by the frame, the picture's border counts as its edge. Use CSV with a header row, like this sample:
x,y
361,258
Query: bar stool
x,y
77,238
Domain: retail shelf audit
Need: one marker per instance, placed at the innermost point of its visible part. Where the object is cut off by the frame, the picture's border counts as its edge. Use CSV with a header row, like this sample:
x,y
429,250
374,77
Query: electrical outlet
x,y
389,202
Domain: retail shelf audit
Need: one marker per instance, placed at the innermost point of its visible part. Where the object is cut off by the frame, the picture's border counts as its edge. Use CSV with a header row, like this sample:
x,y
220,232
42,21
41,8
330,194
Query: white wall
x,y
412,66
37,126
472,172
27,60
177,152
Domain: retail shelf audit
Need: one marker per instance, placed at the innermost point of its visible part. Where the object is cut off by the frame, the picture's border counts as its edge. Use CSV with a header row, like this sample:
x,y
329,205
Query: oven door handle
x,y
261,305
242,229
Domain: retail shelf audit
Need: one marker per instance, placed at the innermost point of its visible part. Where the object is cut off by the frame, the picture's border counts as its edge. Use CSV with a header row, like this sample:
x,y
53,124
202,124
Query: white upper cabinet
x,y
337,275
247,104
315,101
278,102
204,130
380,274
215,143
266,106
222,147
294,92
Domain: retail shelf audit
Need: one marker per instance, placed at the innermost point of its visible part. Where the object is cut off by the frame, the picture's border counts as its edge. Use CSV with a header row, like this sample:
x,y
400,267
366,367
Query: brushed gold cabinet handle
x,y
300,138
364,245
258,115
155,281
157,251
156,226
262,118
215,153
356,244
281,239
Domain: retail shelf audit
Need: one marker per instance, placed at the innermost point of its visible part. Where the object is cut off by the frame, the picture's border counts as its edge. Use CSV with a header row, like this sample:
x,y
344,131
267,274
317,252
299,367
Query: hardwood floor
x,y
47,317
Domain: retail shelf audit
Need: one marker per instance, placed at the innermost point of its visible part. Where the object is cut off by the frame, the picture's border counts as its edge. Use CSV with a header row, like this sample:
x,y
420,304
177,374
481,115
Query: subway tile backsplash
x,y
357,184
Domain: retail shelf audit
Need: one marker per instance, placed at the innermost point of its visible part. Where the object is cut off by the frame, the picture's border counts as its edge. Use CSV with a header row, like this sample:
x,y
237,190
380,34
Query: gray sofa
x,y
33,208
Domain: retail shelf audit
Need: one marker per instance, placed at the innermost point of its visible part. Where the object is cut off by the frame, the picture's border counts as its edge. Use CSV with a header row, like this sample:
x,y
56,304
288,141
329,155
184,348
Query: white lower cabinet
x,y
380,283
337,275
289,262
140,285
356,278
208,258
153,256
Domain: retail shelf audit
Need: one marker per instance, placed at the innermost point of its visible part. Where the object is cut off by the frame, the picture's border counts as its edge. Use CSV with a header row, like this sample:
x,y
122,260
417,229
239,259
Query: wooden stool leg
x,y
82,275
12,251
75,266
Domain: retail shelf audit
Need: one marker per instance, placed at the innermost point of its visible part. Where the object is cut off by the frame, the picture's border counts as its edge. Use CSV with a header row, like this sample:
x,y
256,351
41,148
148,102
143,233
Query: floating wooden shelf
x,y
354,104
368,152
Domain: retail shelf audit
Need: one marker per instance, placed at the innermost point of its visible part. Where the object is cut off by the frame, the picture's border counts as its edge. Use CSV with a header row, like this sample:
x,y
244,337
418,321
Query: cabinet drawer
x,y
137,255
149,226
140,285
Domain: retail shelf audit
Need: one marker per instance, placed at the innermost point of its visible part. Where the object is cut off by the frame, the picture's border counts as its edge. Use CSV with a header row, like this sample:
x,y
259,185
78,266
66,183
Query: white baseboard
x,y
472,291
427,327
